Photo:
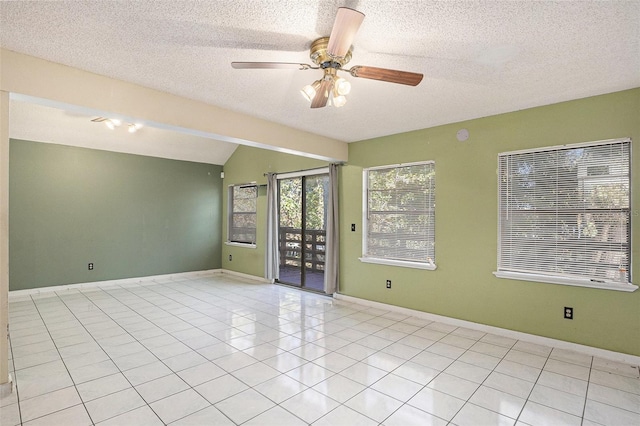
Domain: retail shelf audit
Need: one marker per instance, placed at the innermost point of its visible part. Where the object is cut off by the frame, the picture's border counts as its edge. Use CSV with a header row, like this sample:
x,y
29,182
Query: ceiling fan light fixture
x,y
309,91
342,86
339,101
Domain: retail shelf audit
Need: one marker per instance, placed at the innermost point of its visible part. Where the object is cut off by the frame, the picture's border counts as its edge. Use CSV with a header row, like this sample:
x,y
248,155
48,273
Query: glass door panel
x,y
302,230
316,191
290,230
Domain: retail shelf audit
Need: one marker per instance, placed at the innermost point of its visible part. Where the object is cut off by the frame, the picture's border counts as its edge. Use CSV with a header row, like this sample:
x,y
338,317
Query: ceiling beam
x,y
54,84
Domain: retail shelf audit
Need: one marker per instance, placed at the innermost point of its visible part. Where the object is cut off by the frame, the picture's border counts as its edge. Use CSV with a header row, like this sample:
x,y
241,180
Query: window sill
x,y
401,263
245,245
604,285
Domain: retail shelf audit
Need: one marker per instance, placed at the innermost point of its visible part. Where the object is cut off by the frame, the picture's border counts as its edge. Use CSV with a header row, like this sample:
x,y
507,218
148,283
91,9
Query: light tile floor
x,y
219,351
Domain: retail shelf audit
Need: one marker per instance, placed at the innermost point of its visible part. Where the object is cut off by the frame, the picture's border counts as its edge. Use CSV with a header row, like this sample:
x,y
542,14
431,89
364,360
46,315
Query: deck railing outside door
x,y
290,240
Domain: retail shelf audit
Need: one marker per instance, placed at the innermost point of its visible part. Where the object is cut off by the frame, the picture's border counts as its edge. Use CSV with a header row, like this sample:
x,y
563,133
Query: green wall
x,y
463,286
247,165
130,215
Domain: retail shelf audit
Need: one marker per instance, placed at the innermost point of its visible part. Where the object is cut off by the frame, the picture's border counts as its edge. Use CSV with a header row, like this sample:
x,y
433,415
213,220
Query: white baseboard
x,y
148,280
7,387
246,276
532,338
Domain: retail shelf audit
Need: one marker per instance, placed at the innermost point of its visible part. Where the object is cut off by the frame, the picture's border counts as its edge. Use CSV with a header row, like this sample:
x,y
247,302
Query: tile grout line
x,y
527,399
485,379
226,372
405,361
190,386
108,355
426,384
408,360
44,322
253,387
15,377
586,393
307,387
158,359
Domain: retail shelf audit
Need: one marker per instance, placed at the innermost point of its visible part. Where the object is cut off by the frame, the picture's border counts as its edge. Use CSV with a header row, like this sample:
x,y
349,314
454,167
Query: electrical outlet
x,y
91,266
230,258
388,283
568,313
353,227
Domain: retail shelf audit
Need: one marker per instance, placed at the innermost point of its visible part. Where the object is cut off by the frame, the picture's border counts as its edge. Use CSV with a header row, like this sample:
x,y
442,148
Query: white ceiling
x,y
479,58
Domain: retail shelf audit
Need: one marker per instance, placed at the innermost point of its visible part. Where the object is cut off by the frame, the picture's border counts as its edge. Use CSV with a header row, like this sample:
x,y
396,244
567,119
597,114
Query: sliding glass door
x,y
302,206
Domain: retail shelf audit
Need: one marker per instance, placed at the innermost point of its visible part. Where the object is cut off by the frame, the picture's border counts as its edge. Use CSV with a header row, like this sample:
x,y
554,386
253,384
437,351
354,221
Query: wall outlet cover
x,y
568,313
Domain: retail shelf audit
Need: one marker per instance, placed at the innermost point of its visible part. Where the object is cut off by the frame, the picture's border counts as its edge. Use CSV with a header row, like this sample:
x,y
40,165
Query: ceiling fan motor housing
x,y
322,58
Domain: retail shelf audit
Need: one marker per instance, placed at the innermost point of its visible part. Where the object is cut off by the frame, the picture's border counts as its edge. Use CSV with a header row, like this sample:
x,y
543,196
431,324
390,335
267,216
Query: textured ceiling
x,y
479,58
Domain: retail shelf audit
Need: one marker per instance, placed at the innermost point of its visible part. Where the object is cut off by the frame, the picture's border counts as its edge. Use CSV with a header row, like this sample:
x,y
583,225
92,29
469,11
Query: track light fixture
x,y
134,127
112,123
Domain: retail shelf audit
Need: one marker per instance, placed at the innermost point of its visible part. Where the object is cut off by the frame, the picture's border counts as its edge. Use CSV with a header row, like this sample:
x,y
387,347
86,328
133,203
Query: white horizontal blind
x,y
242,217
565,211
401,212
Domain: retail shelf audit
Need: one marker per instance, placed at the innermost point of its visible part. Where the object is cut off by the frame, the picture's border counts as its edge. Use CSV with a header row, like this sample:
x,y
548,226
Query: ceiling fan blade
x,y
270,65
322,94
344,31
383,74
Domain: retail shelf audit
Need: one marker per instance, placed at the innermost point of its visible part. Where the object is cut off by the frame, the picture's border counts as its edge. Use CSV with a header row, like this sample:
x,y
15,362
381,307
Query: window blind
x,y
401,212
565,211
242,217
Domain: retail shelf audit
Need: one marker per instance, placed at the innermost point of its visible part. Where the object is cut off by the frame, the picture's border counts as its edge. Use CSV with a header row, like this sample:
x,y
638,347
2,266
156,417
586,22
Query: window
x,y
399,214
564,215
242,214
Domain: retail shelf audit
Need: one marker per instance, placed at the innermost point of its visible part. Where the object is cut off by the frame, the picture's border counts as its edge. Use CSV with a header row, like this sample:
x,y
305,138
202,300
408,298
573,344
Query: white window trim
x,y
605,285
566,146
550,279
401,263
310,172
244,245
228,242
429,266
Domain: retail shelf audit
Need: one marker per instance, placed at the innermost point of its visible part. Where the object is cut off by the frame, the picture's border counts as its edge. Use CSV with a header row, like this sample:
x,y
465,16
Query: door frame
x,y
299,174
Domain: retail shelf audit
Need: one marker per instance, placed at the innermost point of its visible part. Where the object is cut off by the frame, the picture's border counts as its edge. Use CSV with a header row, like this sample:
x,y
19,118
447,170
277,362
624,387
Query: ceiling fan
x,y
330,54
